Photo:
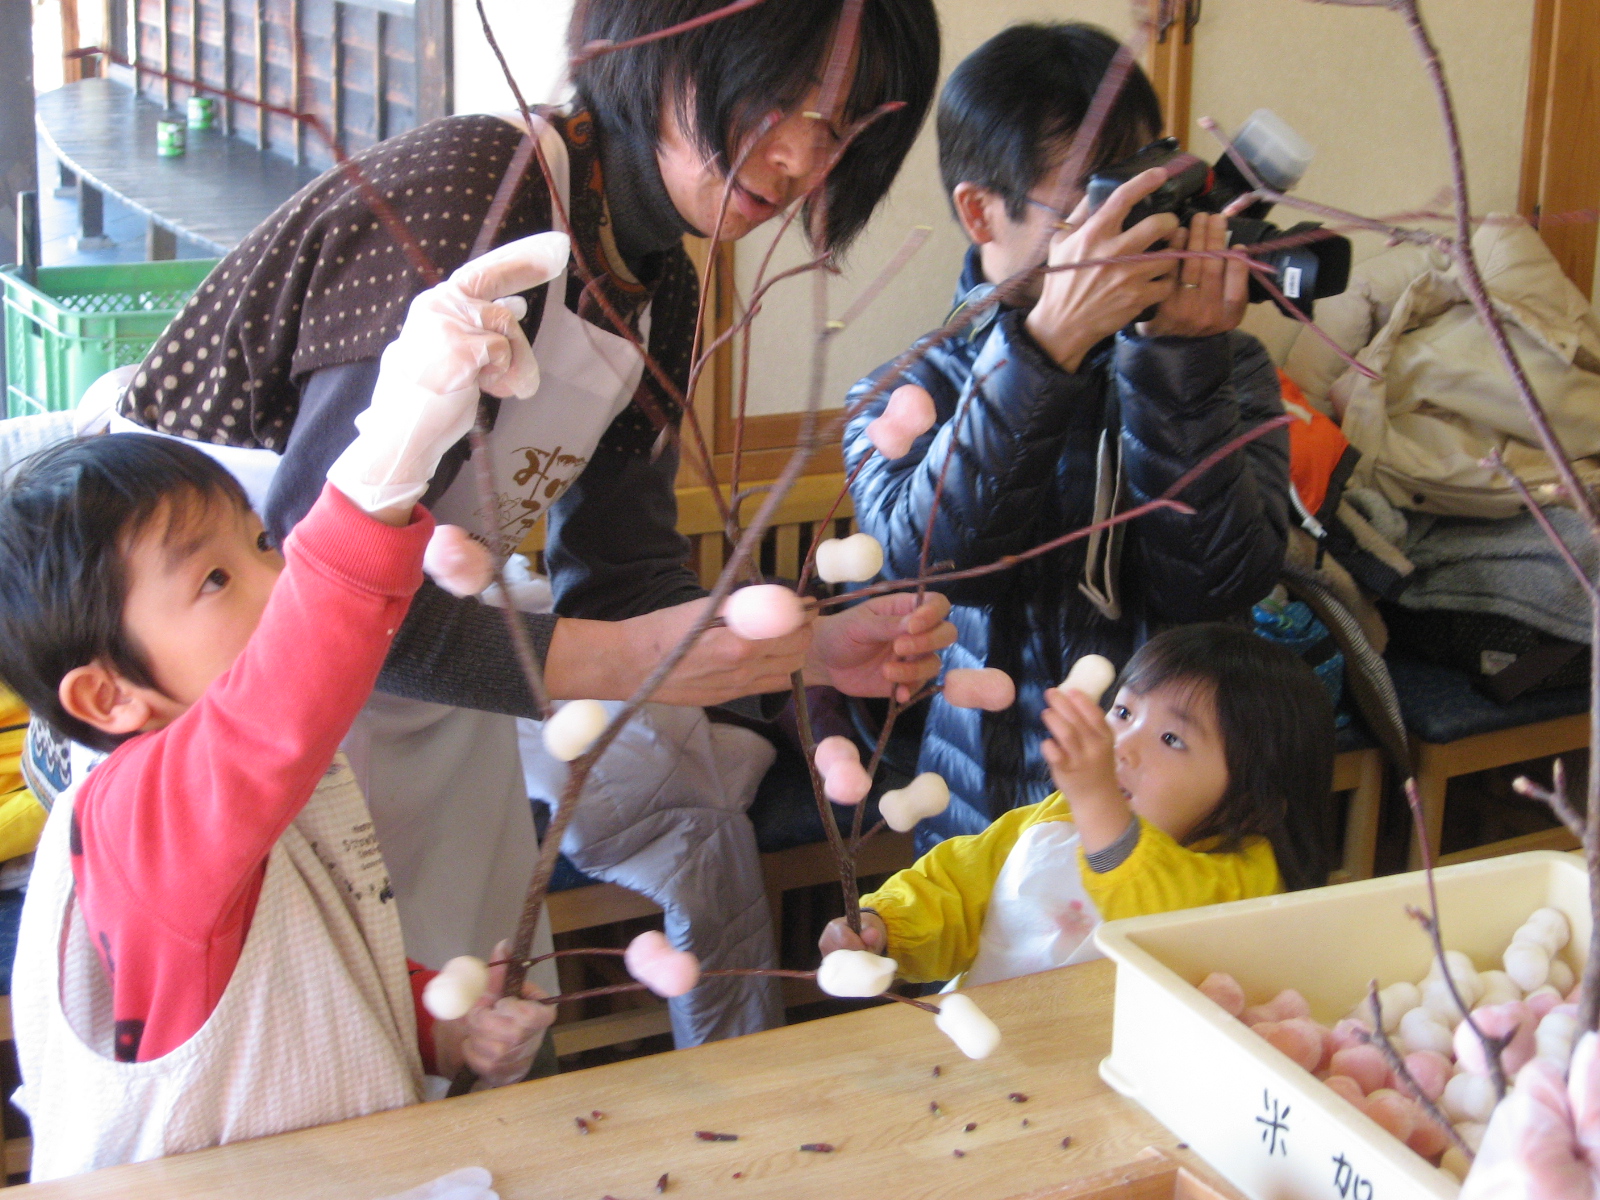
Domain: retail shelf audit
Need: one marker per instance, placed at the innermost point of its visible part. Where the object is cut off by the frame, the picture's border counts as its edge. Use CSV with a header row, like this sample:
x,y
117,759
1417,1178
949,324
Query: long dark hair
x,y
739,69
1276,723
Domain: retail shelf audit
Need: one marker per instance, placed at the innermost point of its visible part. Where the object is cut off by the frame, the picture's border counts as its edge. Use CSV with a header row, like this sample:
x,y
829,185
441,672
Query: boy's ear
x,y
101,698
974,209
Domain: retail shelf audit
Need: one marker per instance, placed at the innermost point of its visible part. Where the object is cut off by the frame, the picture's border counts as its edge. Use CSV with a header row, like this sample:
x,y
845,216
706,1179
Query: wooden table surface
x,y
861,1082
214,194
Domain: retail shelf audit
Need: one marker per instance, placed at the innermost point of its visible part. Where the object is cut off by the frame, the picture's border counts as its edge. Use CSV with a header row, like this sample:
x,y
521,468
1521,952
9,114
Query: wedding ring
x,y
1188,285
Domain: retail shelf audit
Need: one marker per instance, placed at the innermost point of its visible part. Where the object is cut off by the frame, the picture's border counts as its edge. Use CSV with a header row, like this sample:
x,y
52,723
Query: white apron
x,y
315,1026
1039,915
445,784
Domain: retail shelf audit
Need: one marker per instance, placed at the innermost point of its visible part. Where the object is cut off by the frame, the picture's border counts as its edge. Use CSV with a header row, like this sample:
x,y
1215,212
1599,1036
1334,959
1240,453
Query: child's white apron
x,y
1039,914
316,1025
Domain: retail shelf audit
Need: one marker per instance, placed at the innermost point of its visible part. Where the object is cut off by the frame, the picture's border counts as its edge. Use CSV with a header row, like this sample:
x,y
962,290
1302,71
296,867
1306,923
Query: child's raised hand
x,y
498,1038
874,935
1080,749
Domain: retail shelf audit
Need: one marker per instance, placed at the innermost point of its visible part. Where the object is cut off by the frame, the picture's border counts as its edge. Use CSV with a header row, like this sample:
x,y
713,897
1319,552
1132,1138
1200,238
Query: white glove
x,y
1543,1141
460,338
464,1183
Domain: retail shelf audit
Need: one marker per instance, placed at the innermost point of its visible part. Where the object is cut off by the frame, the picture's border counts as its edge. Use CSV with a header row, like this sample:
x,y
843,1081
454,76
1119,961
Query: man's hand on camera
x,y
1077,308
1211,295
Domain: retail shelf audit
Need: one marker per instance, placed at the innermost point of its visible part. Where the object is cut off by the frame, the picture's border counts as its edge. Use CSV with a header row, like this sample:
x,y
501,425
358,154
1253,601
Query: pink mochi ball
x,y
1285,1006
1430,1070
1347,1033
763,611
835,749
1223,991
908,415
846,782
1347,1089
651,960
1498,1020
1541,1002
1577,989
1428,1137
1364,1064
1396,1113
456,562
1301,1040
989,688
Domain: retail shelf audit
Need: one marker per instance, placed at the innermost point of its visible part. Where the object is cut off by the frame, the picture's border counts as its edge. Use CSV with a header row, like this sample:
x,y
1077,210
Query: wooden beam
x,y
71,68
261,73
1560,171
433,60
1171,63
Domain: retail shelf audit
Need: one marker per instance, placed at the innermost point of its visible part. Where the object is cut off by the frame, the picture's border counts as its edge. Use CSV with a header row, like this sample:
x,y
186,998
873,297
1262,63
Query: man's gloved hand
x,y
1543,1142
459,339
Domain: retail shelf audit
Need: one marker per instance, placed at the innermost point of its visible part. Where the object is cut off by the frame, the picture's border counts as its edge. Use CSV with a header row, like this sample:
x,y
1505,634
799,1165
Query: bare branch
x,y
1379,1038
1542,518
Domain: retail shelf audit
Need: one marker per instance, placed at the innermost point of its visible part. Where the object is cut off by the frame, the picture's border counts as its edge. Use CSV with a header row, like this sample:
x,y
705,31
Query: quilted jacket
x,y
1024,470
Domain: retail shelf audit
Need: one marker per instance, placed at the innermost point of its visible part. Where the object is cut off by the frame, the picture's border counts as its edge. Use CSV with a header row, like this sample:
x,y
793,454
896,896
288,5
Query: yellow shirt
x,y
934,909
21,815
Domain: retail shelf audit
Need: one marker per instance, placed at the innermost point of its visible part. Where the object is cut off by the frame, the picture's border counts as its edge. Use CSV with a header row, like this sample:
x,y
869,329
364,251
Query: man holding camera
x,y
1082,393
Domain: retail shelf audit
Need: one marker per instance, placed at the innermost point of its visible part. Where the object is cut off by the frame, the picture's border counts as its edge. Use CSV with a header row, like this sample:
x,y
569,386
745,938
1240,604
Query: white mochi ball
x,y
925,796
573,728
1528,964
965,1024
855,973
1468,1097
849,560
1092,675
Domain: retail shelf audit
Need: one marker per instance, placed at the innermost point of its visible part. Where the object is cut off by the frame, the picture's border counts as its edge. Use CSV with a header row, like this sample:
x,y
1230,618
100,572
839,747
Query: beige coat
x,y
1444,399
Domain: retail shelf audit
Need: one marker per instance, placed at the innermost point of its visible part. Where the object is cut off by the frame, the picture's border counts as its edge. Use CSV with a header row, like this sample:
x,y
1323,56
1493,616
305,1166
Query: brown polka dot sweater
x,y
278,350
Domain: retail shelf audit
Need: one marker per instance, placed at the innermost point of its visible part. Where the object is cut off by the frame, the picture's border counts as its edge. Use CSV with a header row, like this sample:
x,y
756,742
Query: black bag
x,y
1503,657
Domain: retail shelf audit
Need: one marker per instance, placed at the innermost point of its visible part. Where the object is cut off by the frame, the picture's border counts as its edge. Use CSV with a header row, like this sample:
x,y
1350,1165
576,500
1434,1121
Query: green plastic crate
x,y
77,323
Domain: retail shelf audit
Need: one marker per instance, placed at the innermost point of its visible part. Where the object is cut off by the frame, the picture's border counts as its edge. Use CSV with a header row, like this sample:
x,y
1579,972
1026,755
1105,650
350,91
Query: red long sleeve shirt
x,y
172,831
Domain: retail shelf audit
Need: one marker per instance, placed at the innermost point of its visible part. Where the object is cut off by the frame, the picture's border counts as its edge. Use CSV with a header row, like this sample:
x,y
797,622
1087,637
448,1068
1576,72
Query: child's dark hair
x,y
1276,723
729,74
66,520
1008,112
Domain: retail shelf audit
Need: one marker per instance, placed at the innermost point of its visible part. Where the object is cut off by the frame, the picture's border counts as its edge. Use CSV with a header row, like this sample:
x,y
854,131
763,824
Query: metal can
x,y
202,112
171,139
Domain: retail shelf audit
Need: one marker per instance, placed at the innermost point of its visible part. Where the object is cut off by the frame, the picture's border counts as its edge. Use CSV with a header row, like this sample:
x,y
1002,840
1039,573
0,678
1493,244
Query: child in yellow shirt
x,y
1208,780
21,816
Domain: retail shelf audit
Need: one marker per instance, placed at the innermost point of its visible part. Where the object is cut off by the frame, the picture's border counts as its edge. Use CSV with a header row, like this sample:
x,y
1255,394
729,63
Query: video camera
x,y
1279,156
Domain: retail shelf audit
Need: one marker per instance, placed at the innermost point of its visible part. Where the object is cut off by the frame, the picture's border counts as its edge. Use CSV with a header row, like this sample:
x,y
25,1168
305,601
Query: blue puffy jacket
x,y
1024,472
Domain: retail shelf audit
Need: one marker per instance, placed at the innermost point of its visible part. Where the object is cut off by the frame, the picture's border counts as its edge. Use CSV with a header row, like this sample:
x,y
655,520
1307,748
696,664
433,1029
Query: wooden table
x,y
214,194
862,1082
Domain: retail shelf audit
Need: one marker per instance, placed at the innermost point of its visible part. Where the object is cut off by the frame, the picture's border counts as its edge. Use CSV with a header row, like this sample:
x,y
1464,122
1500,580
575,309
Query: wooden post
x,y
227,65
433,57
164,8
71,68
1560,170
294,79
1171,63
380,78
18,156
336,75
261,73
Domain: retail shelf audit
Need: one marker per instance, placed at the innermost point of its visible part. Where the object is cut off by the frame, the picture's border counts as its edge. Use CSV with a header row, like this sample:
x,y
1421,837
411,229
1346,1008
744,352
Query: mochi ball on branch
x,y
457,562
456,988
856,974
925,796
844,779
573,728
988,688
854,559
763,611
662,968
965,1024
908,415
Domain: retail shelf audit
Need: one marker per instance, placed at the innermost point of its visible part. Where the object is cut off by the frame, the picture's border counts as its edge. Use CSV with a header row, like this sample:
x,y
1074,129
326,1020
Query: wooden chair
x,y
15,1153
1457,731
1359,771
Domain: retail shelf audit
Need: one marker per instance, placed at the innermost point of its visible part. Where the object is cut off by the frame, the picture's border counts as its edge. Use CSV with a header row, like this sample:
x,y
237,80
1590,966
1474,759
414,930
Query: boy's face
x,y
1005,245
197,586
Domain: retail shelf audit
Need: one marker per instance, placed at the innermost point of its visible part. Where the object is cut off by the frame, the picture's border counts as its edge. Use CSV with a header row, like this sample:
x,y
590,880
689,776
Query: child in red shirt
x,y
210,950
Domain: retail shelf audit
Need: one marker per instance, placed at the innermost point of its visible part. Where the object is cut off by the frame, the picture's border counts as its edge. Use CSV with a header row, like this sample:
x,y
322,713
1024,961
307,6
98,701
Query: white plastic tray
x,y
1267,1125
